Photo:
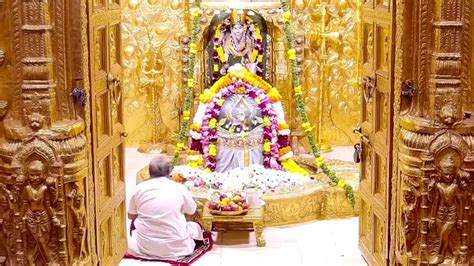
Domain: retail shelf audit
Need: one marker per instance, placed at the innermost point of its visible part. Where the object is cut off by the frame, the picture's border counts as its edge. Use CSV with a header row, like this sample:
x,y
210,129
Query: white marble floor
x,y
325,243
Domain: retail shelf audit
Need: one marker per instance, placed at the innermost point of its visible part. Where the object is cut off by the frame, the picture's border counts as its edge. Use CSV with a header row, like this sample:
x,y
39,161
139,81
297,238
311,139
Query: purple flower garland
x,y
270,132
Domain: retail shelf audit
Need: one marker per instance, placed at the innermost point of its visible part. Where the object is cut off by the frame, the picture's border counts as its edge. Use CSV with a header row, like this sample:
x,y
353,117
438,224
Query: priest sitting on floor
x,y
157,211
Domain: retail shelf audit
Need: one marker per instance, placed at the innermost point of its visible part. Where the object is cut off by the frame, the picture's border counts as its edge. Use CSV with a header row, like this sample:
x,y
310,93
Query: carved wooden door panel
x,y
107,129
376,130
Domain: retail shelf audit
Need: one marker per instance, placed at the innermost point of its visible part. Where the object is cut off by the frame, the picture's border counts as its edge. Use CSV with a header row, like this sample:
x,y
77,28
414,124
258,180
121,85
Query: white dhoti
x,y
163,248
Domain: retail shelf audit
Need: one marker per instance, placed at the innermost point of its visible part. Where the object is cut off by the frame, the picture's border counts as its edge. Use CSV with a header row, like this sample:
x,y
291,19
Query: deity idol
x,y
37,213
240,134
238,41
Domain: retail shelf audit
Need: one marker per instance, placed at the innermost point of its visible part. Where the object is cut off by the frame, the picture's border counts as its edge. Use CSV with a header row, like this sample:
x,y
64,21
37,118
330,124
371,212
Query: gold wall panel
x,y
341,94
153,60
152,77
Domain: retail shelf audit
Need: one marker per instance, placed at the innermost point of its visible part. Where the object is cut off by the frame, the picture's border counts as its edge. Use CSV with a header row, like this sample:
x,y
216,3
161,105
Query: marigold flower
x,y
286,16
193,152
191,83
285,150
298,90
341,183
283,126
292,54
212,123
307,127
186,115
196,127
240,90
267,147
195,11
193,48
254,56
319,161
221,54
212,150
220,102
274,95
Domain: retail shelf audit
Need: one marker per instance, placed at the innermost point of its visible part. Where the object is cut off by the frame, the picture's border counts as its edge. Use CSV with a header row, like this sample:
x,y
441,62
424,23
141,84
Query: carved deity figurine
x,y
76,208
6,220
410,218
37,213
448,205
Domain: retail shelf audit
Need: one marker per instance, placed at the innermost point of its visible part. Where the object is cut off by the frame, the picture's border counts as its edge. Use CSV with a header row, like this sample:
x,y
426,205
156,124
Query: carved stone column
x,y
43,161
435,135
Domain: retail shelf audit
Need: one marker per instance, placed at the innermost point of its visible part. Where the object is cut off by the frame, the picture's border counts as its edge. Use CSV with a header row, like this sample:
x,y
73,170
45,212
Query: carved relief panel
x,y
376,131
435,165
43,163
108,132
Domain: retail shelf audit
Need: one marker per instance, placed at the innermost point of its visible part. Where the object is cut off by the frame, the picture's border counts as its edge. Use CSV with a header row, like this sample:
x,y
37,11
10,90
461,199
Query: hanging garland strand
x,y
188,102
301,108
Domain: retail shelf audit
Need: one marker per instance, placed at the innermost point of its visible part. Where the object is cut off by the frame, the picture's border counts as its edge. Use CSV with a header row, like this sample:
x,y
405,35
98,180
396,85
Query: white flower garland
x,y
254,176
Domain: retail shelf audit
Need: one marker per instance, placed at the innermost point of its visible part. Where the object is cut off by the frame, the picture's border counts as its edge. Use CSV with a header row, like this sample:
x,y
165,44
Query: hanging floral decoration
x,y
301,107
196,15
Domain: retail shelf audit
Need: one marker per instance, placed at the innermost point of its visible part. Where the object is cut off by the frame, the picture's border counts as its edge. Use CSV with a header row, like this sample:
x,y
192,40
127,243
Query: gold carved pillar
x,y
435,172
43,160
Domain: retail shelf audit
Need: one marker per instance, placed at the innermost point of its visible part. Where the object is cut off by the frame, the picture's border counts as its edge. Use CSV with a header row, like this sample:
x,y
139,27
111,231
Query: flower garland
x,y
210,124
241,74
196,15
301,108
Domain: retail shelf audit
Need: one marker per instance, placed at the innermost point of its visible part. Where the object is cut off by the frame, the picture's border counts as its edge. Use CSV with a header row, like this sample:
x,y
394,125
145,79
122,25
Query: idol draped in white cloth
x,y
240,134
158,207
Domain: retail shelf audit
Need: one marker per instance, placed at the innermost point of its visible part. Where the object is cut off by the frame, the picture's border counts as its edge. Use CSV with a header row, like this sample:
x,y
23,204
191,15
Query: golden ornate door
x,y
376,130
107,129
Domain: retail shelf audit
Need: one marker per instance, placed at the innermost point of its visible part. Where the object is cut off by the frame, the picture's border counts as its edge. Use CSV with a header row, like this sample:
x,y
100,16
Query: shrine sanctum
x,y
325,132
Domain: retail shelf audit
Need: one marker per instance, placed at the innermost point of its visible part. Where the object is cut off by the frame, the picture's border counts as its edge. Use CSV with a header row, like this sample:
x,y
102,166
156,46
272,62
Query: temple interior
x,y
319,132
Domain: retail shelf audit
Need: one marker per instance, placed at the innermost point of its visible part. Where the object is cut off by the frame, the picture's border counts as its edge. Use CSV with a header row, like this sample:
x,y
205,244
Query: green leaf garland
x,y
188,102
301,108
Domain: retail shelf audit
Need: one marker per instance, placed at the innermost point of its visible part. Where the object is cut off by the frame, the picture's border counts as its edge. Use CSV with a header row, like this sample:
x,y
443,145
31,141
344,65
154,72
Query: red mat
x,y
202,247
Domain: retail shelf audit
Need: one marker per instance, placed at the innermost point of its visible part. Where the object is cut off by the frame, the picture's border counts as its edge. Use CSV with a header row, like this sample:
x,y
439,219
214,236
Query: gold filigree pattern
x,y
151,32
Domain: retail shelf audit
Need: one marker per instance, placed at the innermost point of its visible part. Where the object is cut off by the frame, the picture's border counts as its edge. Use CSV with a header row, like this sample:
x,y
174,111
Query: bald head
x,y
159,166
